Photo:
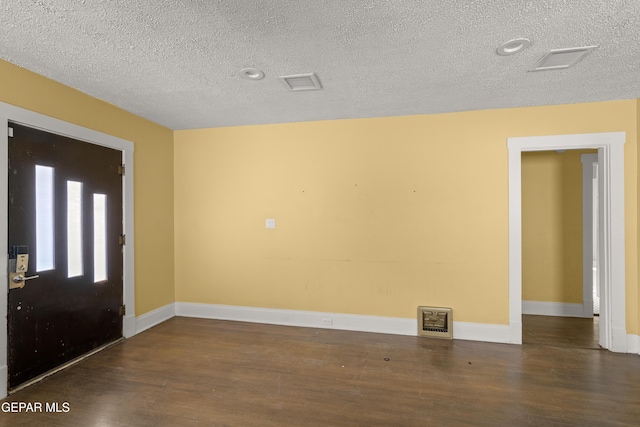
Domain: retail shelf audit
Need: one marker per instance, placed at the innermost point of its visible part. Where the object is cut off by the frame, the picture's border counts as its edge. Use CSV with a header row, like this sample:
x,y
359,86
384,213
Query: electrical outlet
x,y
328,321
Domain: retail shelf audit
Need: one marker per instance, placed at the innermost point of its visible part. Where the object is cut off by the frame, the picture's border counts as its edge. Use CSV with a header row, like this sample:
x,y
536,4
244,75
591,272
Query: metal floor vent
x,y
301,82
436,322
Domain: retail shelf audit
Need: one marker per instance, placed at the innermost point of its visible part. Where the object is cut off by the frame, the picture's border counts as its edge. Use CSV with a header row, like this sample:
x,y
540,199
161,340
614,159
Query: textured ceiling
x,y
176,62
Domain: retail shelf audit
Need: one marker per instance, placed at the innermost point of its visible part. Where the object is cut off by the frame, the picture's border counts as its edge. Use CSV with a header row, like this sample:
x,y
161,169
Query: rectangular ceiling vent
x,y
436,322
298,82
557,59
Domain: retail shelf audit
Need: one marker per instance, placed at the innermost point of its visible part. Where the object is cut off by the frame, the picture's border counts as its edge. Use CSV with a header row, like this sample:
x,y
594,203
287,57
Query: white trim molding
x,y
4,374
589,173
155,317
309,319
347,322
481,332
15,114
610,147
633,344
562,309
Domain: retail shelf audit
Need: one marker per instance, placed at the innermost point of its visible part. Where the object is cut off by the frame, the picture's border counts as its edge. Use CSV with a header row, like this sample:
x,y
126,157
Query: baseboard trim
x,y
542,308
129,325
481,332
348,322
633,344
515,331
155,317
310,319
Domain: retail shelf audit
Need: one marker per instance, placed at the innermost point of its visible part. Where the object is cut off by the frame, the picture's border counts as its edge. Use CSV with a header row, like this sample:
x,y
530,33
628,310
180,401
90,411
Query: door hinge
x,y
121,170
10,132
122,240
122,310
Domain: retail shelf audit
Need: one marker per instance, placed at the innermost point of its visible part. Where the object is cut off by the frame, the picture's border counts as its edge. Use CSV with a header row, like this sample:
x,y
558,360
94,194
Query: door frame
x,y
19,115
610,147
588,161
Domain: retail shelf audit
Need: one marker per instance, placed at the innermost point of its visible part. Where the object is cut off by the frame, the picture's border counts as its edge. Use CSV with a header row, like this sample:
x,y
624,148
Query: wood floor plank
x,y
193,372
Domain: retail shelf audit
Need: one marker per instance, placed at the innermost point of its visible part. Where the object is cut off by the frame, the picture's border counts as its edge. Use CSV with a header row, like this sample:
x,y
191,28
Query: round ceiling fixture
x,y
513,46
251,74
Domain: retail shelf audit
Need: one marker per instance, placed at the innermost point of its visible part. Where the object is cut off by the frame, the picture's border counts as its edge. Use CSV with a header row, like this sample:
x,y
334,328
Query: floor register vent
x,y
435,322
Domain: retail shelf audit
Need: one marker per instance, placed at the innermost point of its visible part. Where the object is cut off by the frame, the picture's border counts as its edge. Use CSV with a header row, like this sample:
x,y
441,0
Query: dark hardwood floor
x,y
192,372
568,332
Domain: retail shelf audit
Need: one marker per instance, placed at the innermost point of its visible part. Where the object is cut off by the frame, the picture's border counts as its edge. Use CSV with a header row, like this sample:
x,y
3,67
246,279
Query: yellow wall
x,y
552,226
153,171
374,216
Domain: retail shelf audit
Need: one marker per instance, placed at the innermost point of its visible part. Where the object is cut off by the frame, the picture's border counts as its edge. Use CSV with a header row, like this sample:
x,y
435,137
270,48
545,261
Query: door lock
x,y
19,278
18,266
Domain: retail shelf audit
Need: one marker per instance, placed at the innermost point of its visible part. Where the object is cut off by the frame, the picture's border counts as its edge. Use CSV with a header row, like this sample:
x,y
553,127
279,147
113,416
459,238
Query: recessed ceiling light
x,y
513,46
251,74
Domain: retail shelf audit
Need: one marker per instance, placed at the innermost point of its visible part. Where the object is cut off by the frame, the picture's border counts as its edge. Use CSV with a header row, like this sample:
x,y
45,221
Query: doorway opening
x,y
610,146
557,248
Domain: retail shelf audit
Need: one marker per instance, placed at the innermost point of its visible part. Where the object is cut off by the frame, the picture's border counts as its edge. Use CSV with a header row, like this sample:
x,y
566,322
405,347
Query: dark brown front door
x,y
65,211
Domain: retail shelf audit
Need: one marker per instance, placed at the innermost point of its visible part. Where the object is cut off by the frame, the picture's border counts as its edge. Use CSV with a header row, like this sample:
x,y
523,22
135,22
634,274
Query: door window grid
x,y
45,247
99,237
74,229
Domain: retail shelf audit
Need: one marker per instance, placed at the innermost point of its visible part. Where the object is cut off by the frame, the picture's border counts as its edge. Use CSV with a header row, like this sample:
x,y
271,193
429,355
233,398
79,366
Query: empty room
x,y
336,213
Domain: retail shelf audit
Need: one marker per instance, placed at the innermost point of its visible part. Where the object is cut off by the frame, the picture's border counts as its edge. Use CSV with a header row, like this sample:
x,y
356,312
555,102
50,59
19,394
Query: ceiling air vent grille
x,y
435,322
301,82
557,59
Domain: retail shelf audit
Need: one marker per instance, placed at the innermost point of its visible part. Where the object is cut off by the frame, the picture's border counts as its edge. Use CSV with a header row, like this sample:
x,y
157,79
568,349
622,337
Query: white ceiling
x,y
176,62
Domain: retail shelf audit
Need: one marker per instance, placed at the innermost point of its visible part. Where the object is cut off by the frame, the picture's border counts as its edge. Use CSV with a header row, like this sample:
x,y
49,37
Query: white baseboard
x,y
619,340
542,308
633,344
481,332
129,325
155,317
349,322
515,331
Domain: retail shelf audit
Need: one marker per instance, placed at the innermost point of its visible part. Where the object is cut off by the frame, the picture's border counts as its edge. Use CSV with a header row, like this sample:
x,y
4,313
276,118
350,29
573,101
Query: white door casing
x,y
610,147
589,162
